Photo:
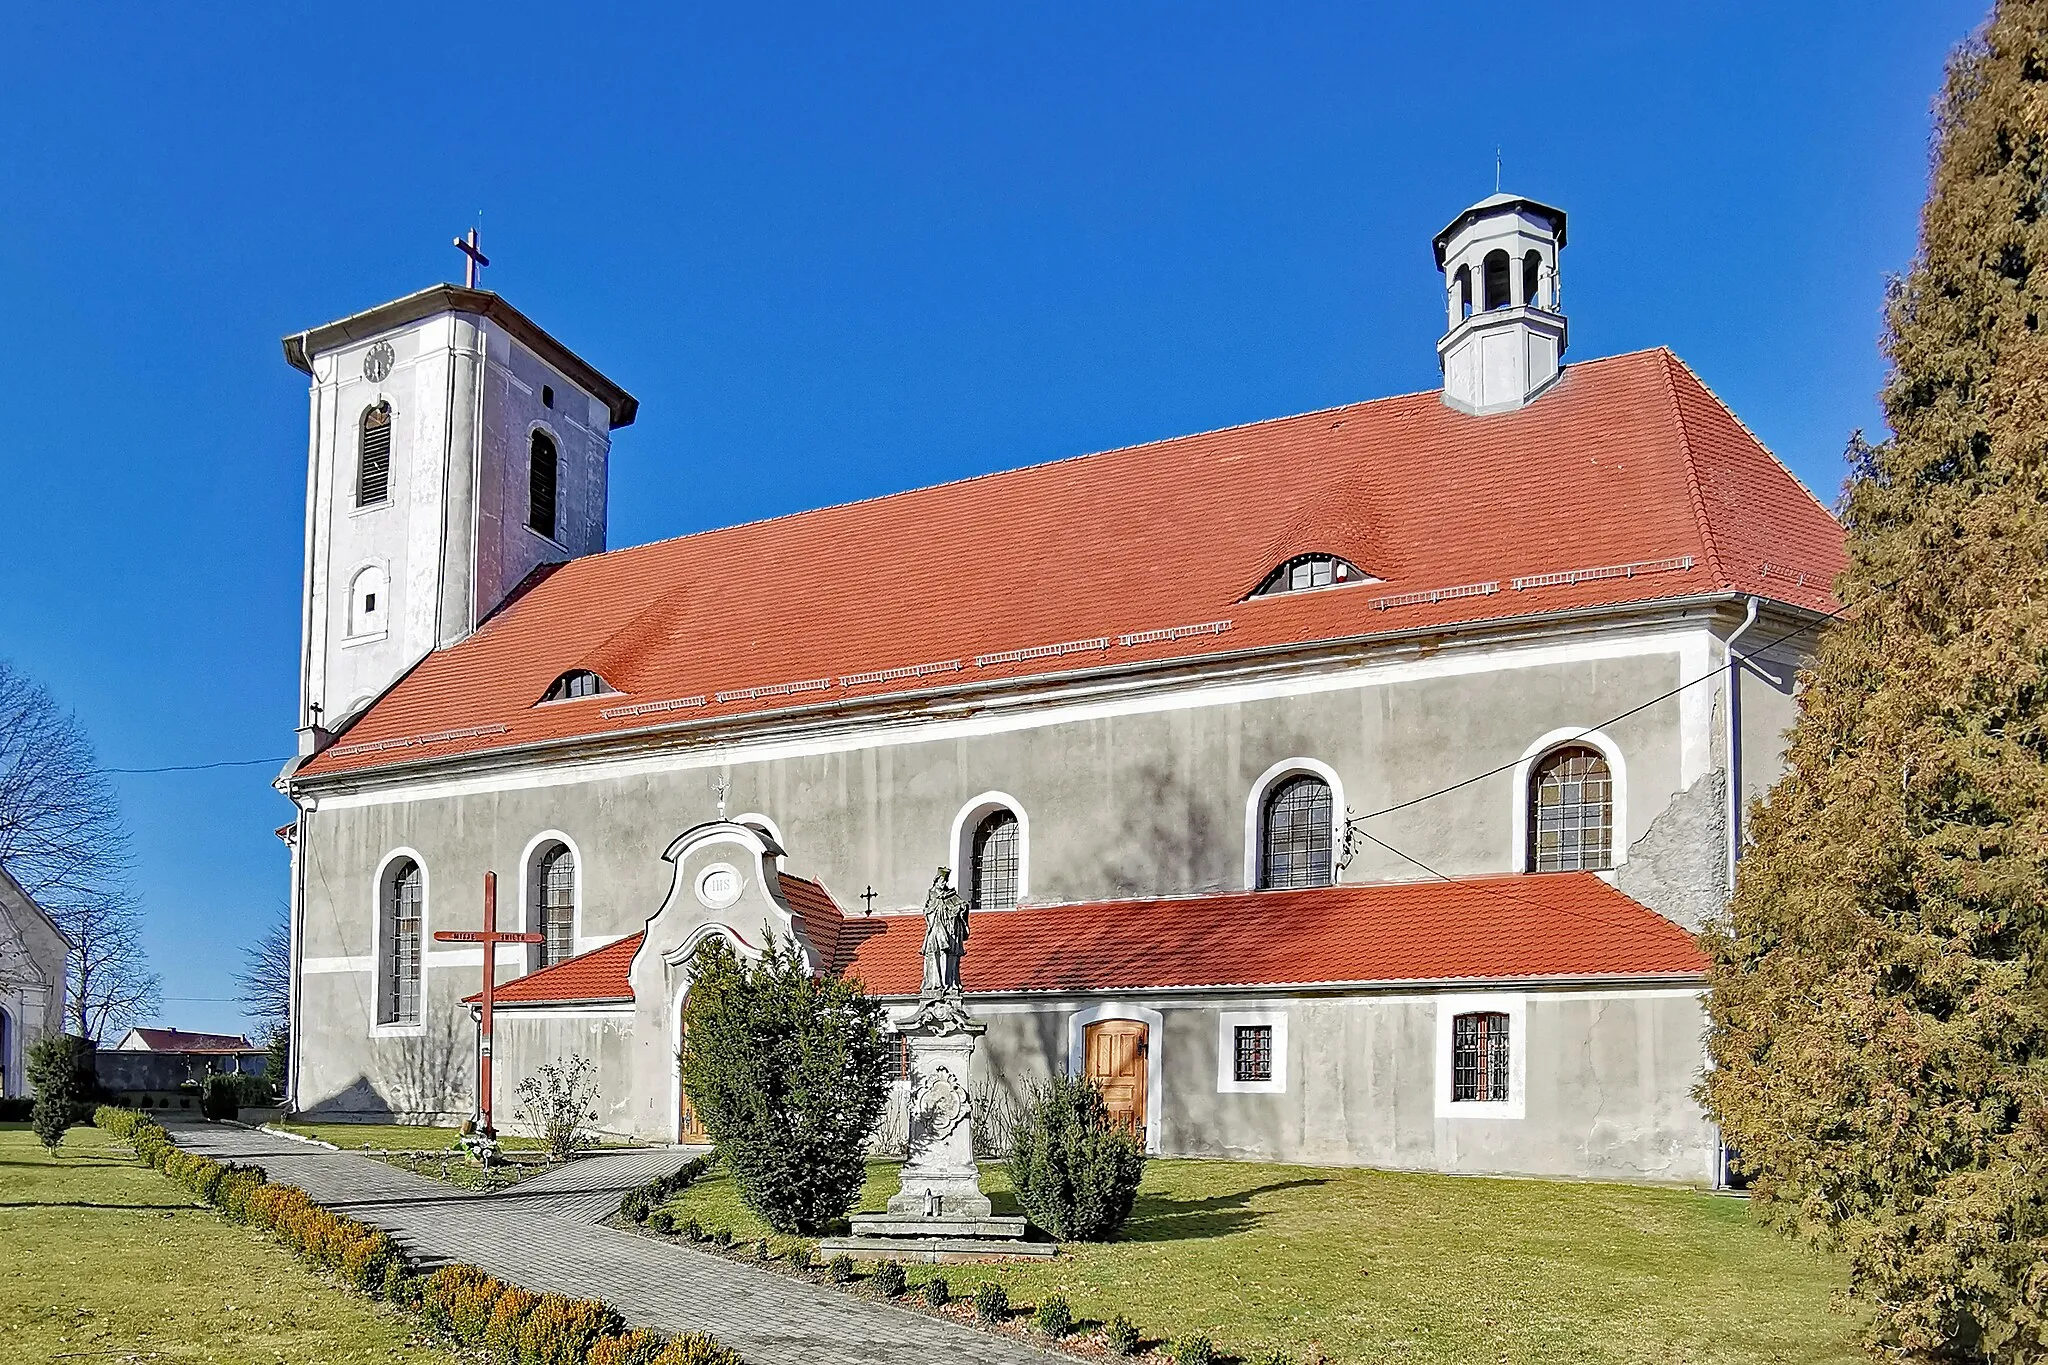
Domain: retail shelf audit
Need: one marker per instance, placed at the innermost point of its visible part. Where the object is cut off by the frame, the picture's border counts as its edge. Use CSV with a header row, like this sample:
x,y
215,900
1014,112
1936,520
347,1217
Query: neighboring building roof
x,y
301,347
1555,926
1628,482
178,1040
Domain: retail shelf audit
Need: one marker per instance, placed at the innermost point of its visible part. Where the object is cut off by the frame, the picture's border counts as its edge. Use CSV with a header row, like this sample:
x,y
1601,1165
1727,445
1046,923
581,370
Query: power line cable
x,y
193,767
1352,822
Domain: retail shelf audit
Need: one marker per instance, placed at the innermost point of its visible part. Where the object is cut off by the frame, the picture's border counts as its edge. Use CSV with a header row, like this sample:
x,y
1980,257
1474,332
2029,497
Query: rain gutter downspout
x,y
1732,721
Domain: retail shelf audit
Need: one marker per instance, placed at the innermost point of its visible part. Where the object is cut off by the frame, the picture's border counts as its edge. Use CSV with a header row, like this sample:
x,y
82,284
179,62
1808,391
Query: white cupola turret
x,y
1504,343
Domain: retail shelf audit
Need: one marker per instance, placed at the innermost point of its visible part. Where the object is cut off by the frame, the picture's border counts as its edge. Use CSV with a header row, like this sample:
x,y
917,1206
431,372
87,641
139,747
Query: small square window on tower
x,y
547,396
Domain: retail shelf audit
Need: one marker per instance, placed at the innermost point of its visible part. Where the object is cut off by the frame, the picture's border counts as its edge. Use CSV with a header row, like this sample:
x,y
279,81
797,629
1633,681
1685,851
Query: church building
x,y
1337,788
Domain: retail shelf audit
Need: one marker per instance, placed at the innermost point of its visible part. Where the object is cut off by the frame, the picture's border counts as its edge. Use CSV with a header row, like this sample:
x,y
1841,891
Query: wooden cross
x,y
490,938
477,260
869,896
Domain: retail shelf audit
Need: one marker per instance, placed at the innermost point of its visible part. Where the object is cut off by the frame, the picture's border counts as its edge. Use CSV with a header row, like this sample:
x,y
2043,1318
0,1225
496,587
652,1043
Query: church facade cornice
x,y
901,715
301,348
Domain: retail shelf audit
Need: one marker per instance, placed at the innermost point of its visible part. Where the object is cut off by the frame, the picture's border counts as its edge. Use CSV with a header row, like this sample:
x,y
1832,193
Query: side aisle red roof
x,y
1628,481
1566,926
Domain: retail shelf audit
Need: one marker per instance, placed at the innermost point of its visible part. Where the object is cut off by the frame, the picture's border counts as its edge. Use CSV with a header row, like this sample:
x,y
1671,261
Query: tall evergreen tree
x,y
1880,983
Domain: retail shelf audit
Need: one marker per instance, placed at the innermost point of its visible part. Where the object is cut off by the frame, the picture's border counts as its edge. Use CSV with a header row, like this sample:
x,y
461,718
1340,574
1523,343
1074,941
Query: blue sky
x,y
838,253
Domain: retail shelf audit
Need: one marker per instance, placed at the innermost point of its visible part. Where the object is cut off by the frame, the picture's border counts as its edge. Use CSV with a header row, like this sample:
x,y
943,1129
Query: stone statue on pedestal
x,y
940,1212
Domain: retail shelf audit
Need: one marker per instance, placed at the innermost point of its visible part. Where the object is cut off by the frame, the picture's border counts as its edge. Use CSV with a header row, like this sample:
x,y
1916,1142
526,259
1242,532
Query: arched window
x,y
557,882
1464,291
1571,812
543,475
992,875
1294,835
404,919
1532,279
1496,270
1479,1058
367,600
577,682
1304,572
373,457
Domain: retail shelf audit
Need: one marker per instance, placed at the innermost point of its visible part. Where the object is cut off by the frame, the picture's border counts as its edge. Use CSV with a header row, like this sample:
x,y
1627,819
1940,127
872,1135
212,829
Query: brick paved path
x,y
547,1243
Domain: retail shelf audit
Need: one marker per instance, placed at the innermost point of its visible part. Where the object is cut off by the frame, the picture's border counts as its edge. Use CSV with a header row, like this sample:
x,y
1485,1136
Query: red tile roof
x,y
1628,465
600,975
178,1040
1567,925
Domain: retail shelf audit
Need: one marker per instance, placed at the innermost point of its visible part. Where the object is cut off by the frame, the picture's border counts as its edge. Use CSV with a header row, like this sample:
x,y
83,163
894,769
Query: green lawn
x,y
101,1258
1374,1266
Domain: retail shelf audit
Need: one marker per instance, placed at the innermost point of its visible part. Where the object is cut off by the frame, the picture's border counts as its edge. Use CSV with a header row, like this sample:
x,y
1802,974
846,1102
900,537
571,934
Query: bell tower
x,y
454,447
1505,338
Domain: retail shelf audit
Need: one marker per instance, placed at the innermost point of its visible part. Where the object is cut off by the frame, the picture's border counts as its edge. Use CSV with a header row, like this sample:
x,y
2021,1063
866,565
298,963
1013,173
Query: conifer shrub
x,y
662,1221
789,1073
692,1230
888,1280
839,1269
937,1292
637,1347
991,1302
470,1308
1054,1316
1878,1023
1269,1355
1192,1350
799,1256
438,1293
1120,1335
722,1238
508,1316
559,1331
694,1348
399,1288
60,1073
1076,1172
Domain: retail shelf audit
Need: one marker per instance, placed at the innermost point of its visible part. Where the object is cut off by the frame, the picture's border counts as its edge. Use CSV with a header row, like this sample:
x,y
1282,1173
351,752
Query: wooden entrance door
x,y
1116,1051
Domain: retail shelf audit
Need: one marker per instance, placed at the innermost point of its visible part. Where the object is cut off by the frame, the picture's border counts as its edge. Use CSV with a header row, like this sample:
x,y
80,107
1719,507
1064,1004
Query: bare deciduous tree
x,y
265,980
62,838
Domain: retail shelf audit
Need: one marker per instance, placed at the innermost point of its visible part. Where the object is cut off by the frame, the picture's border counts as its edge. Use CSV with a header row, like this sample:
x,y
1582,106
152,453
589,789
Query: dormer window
x,y
1305,572
577,682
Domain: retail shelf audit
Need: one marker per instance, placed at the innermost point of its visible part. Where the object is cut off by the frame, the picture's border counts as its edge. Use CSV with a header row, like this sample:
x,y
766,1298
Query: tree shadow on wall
x,y
426,1075
1174,839
1163,1218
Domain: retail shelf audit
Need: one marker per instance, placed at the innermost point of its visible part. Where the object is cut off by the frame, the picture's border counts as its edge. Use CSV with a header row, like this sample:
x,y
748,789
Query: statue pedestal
x,y
940,1213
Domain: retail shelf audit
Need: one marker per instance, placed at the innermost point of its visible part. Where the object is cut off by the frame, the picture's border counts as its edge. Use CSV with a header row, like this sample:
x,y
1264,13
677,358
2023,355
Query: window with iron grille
x,y
1254,1052
577,682
1305,572
542,475
558,906
373,457
1571,812
1294,835
900,1062
995,862
406,895
1479,1057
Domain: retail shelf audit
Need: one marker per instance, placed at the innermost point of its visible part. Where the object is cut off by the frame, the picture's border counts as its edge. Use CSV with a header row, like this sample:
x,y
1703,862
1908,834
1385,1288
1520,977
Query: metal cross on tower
x,y
473,268
490,938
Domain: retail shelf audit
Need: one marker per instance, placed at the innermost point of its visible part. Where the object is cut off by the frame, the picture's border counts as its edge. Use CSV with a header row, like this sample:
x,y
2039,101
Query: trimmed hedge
x,y
509,1324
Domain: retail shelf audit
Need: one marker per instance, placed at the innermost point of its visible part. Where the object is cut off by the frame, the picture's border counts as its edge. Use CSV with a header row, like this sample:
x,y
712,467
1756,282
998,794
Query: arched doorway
x,y
1115,1051
689,1128
8,1085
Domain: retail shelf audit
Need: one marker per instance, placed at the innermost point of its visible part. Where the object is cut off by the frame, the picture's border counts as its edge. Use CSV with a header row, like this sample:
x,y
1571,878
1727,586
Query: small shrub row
x,y
639,1204
512,1325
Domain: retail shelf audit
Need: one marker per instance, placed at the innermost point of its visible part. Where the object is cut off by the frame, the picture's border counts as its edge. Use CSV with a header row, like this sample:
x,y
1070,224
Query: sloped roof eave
x,y
400,770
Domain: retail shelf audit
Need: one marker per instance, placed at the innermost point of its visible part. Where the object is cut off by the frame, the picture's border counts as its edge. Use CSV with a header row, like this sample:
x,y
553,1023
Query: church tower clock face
x,y
377,362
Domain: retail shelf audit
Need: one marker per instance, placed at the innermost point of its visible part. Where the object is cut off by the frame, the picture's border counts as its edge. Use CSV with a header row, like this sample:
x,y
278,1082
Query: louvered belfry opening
x,y
373,465
1294,842
541,483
